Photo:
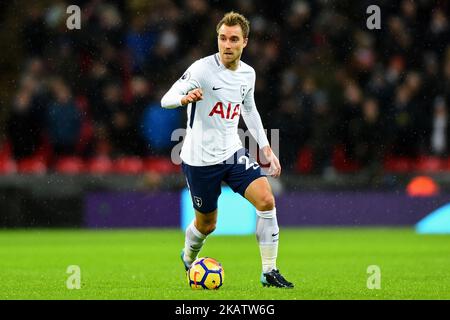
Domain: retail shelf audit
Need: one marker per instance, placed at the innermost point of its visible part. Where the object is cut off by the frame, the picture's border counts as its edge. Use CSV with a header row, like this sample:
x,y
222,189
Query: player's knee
x,y
266,202
208,228
206,222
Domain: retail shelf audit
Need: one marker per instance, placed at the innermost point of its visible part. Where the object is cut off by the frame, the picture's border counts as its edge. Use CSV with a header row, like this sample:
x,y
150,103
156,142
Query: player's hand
x,y
192,96
275,167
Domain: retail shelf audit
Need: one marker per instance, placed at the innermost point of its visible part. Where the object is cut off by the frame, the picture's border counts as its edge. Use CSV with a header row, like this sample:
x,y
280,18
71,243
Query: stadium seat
x,y
32,165
7,166
99,165
128,165
38,162
163,165
341,163
5,150
69,165
305,162
398,164
447,164
430,164
7,163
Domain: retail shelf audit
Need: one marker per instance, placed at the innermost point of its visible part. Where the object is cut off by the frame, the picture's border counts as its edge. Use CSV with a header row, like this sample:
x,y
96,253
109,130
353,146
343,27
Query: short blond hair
x,y
233,19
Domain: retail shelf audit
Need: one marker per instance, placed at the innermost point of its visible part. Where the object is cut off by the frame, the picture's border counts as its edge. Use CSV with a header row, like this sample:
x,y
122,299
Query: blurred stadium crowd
x,y
343,96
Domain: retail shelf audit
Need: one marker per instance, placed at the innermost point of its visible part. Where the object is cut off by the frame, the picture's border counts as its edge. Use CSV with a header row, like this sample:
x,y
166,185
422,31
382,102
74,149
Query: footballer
x,y
217,90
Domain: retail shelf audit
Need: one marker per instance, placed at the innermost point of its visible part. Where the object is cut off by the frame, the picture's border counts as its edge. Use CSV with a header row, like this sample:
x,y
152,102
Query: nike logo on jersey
x,y
275,234
214,88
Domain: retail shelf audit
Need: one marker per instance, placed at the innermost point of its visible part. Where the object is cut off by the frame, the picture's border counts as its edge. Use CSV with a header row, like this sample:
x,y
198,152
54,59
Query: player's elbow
x,y
165,102
171,100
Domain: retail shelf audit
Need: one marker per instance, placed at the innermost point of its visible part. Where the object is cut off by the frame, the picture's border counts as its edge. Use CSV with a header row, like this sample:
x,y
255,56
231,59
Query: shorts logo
x,y
198,201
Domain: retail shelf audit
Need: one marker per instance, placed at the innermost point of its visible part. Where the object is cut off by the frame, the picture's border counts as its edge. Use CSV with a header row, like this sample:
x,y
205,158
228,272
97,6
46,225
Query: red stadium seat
x,y
341,163
7,163
398,164
38,162
305,161
163,165
5,150
128,165
99,165
447,164
7,166
32,165
69,165
430,164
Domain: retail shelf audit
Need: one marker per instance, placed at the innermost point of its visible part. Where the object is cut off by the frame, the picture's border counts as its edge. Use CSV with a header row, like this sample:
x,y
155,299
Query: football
x,y
205,273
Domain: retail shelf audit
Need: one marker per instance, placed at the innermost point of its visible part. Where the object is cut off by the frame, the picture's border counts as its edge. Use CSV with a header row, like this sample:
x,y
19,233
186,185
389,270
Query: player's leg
x,y
205,187
245,177
259,193
205,222
201,226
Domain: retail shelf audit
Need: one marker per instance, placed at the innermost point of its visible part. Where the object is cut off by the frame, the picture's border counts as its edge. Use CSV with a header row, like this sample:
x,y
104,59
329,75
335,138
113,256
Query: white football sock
x,y
194,241
267,232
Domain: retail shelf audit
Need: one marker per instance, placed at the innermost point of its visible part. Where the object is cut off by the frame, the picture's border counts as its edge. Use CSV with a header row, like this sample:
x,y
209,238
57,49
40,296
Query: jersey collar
x,y
222,66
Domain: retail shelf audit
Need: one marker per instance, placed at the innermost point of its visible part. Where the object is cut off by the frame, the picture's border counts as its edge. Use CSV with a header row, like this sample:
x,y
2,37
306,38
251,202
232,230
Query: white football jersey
x,y
212,123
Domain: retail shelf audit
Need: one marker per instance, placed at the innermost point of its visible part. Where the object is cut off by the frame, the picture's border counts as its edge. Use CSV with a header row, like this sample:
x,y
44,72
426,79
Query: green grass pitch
x,y
326,263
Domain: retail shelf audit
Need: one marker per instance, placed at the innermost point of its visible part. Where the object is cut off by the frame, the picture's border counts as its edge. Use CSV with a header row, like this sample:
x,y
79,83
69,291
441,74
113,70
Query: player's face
x,y
231,43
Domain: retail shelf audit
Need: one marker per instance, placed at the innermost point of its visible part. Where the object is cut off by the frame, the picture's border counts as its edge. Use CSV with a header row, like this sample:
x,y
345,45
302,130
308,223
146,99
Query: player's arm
x,y
254,124
192,96
186,90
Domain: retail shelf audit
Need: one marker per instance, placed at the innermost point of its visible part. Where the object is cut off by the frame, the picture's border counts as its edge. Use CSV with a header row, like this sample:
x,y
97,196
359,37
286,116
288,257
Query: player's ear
x,y
245,42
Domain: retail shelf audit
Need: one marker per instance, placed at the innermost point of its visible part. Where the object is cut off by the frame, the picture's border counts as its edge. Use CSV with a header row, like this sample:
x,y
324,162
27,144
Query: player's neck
x,y
233,66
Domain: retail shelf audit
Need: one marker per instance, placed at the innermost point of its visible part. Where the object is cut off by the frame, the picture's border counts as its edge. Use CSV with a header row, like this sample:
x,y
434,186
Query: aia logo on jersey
x,y
228,112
